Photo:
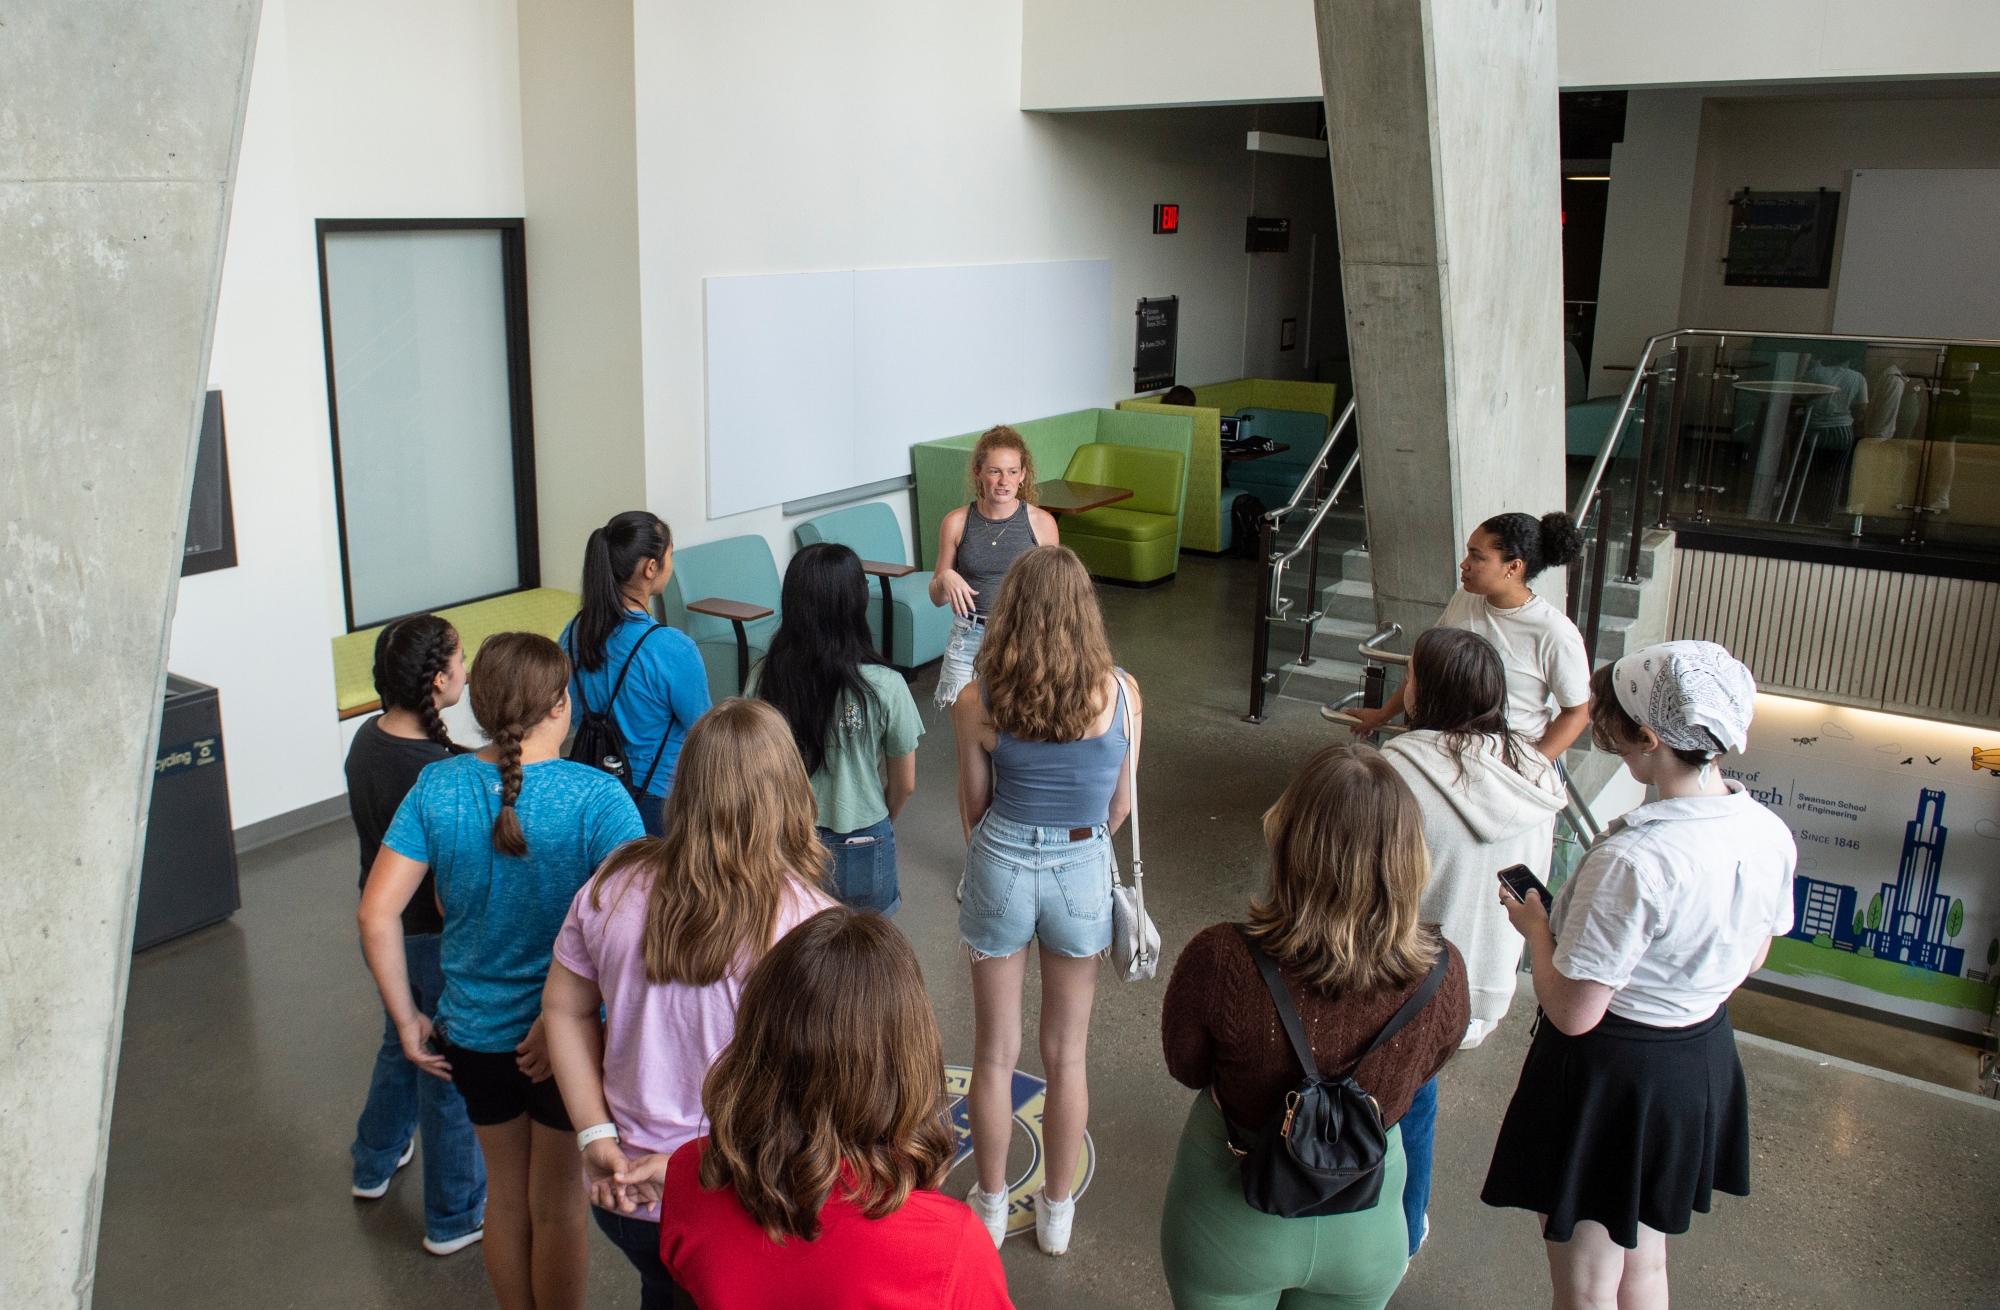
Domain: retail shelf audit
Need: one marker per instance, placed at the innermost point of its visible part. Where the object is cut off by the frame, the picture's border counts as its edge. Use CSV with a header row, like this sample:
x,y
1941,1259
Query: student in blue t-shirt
x,y
625,565
510,834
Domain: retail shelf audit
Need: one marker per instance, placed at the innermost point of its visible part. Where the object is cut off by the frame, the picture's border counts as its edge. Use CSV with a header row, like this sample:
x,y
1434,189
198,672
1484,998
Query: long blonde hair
x,y
1348,866
1002,438
1044,661
739,819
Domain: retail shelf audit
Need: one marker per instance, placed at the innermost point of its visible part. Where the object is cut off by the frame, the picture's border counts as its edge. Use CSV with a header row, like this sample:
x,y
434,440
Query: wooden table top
x,y
735,610
875,568
1238,456
1061,496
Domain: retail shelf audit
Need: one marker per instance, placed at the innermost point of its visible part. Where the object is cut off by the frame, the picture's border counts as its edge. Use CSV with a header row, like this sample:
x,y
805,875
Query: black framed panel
x,y
211,523
520,401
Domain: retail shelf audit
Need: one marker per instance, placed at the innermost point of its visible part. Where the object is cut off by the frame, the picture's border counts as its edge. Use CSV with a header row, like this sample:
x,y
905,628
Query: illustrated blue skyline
x,y
1912,927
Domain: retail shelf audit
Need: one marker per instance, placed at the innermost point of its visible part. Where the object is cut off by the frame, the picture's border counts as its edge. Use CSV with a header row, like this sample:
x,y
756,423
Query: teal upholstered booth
x,y
735,568
918,629
1134,540
1274,478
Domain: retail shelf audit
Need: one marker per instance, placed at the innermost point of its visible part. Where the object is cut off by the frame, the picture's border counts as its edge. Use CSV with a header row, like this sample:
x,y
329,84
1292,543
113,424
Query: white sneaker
x,y
1052,1222
376,1192
455,1244
992,1211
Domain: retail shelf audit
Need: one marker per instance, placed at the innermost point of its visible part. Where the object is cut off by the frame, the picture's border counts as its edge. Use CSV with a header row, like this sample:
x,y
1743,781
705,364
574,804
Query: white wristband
x,y
596,1133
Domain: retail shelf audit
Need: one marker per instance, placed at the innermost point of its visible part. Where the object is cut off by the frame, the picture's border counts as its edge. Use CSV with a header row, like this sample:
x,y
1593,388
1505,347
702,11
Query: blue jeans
x,y
864,867
652,812
639,1239
403,1098
1419,1130
1025,883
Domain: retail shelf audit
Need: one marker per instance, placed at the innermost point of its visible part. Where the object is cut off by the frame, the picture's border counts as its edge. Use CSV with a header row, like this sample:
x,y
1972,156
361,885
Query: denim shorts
x,y
959,653
1024,883
864,867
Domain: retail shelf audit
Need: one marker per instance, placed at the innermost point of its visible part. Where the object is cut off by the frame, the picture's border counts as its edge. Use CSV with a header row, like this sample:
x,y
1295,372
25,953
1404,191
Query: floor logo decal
x,y
1029,1093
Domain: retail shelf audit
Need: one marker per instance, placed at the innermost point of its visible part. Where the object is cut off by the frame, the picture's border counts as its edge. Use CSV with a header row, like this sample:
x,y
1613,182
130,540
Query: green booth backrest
x,y
871,531
1152,476
1201,513
735,568
940,466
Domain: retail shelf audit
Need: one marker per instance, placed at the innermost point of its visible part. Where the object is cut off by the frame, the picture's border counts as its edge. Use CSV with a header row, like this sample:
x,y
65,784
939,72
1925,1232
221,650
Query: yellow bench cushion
x,y
1120,524
541,609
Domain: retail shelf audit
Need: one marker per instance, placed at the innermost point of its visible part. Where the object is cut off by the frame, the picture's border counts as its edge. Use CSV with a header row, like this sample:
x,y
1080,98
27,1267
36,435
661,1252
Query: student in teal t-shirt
x,y
511,833
850,713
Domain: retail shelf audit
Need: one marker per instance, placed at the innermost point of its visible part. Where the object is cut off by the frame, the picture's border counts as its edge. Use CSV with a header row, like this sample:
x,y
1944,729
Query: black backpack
x,y
598,742
1246,523
1321,1154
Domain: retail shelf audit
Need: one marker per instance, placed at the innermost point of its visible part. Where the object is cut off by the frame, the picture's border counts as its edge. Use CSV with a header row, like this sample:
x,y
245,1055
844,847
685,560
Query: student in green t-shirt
x,y
850,713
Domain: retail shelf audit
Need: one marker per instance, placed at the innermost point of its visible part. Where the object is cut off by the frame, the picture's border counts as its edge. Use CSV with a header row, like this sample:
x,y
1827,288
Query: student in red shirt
x,y
828,1142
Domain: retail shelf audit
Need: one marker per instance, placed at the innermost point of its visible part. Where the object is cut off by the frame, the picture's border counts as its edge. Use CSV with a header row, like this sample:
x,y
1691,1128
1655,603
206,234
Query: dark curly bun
x,y
1553,539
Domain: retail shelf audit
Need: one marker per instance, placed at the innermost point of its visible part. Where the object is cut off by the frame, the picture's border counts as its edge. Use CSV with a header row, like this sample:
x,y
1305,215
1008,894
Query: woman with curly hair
x,y
1048,739
817,1183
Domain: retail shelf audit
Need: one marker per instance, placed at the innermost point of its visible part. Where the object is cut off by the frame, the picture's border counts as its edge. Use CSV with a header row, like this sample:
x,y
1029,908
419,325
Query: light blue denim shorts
x,y
960,650
1024,883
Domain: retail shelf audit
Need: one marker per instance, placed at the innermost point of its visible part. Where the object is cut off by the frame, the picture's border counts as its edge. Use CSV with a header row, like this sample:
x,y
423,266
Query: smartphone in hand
x,y
1521,880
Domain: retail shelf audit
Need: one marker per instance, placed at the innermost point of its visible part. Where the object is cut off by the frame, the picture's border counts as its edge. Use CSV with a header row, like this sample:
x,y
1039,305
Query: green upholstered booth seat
x,y
1135,540
539,609
940,466
919,628
1202,525
735,568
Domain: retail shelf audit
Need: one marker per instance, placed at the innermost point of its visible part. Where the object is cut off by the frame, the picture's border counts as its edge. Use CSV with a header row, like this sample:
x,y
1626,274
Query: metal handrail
x,y
1371,649
1580,816
1597,466
1326,448
1309,537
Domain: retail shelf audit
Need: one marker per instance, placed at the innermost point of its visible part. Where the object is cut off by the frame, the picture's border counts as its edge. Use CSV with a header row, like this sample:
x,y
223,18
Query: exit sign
x,y
1166,219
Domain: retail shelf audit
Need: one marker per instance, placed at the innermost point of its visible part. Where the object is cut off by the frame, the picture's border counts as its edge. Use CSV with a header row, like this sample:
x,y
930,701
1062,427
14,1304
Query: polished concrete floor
x,y
247,1049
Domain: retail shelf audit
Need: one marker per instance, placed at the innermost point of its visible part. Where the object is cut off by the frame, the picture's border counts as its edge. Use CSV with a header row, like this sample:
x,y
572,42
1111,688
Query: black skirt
x,y
1625,1125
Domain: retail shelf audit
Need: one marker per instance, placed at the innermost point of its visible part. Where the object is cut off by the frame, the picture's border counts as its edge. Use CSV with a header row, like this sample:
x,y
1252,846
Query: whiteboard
x,y
1921,254
822,381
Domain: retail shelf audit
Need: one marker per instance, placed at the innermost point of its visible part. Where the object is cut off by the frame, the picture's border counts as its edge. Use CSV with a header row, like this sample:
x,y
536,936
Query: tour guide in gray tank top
x,y
987,548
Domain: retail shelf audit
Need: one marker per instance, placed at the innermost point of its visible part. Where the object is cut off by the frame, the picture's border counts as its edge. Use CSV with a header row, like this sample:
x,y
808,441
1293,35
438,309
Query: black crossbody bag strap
x,y
1418,1000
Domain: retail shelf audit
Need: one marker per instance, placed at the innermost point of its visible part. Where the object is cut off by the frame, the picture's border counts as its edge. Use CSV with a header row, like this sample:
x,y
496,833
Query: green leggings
x,y
1220,1254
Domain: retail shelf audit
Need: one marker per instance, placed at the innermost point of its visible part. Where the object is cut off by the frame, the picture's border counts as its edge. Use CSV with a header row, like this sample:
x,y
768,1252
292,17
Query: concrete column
x,y
1442,119
119,122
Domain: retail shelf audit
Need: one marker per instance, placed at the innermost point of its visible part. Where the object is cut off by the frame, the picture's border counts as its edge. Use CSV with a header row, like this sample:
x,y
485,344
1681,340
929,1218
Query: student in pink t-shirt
x,y
663,938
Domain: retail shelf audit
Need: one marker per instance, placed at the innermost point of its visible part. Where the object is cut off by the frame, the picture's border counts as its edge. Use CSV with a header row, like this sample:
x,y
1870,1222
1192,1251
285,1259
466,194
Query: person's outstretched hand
x,y
958,593
1371,721
415,1036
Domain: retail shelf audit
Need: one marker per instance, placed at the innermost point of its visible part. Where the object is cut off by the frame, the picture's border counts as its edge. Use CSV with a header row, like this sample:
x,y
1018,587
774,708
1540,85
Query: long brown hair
x,y
1348,865
1043,663
516,680
1002,438
739,820
836,1064
1461,694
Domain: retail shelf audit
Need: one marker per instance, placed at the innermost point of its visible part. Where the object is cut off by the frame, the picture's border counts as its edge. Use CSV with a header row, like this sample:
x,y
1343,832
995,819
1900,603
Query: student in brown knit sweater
x,y
1340,917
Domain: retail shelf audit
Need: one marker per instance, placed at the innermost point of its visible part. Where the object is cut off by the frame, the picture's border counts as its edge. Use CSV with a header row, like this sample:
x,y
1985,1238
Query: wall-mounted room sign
x,y
1896,903
1166,220
1781,238
1158,338
1267,236
210,543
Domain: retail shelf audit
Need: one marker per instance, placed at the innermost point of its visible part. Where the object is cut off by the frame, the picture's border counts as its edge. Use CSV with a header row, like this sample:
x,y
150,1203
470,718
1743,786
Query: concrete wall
x,y
1108,54
580,171
1645,230
358,109
1803,141
888,134
122,124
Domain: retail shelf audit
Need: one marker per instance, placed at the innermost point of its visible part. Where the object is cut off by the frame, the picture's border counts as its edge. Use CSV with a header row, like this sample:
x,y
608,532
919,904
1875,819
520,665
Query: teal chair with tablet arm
x,y
901,603
725,595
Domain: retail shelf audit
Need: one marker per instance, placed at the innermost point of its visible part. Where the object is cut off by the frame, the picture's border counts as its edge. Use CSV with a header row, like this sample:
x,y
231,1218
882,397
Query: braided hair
x,y
409,655
518,678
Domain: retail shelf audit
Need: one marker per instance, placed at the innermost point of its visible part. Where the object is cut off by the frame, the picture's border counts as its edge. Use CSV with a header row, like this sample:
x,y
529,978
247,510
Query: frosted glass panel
x,y
419,338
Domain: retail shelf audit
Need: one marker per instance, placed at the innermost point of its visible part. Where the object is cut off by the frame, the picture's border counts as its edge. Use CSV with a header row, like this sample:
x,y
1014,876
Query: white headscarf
x,y
1694,695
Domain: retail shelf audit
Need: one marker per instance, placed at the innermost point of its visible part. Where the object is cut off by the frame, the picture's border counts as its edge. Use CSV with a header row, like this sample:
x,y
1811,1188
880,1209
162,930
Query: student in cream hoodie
x,y
1490,799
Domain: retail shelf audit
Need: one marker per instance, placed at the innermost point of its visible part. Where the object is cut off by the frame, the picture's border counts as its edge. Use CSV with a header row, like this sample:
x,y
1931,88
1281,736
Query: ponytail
x,y
409,655
1552,540
518,678
613,553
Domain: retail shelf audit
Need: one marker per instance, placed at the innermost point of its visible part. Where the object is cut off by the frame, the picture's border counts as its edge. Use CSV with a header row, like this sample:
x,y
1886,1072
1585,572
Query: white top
x,y
1477,821
1547,669
1673,902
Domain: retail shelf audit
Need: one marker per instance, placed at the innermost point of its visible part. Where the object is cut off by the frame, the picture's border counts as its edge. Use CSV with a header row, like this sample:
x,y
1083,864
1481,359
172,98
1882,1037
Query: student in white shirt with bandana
x,y
1631,1109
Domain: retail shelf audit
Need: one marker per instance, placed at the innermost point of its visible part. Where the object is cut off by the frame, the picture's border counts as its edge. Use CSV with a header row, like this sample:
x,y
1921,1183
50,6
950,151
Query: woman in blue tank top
x,y
1045,761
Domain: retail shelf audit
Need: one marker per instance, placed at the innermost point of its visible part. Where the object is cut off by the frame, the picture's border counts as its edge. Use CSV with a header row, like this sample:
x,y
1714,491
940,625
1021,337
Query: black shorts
x,y
497,1092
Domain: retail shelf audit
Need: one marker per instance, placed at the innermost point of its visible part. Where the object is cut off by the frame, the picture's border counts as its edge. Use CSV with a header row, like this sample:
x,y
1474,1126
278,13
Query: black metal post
x,y
1590,633
1259,673
1312,594
1646,426
888,623
1676,413
742,655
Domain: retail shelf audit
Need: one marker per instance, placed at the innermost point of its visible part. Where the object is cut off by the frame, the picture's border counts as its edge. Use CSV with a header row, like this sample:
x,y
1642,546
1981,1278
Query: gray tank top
x,y
987,548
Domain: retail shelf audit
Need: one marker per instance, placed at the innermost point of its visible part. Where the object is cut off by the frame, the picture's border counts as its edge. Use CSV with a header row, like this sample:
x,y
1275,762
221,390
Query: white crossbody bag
x,y
1135,942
